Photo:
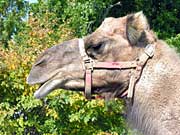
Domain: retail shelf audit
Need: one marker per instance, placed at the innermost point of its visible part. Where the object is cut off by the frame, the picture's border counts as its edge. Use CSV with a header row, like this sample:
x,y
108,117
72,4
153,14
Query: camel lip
x,y
54,83
36,93
46,87
32,80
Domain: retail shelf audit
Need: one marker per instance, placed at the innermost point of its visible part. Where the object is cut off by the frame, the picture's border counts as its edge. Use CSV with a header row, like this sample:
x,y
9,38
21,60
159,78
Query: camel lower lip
x,y
46,88
53,84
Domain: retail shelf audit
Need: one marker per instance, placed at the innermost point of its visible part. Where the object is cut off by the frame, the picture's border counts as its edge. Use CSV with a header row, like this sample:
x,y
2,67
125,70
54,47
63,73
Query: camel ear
x,y
136,24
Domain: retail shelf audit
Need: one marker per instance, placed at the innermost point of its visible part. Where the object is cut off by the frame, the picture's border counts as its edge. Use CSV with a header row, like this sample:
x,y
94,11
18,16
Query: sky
x,y
32,1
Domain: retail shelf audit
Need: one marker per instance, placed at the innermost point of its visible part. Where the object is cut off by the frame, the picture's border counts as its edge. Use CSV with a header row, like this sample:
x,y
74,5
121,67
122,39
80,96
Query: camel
x,y
122,58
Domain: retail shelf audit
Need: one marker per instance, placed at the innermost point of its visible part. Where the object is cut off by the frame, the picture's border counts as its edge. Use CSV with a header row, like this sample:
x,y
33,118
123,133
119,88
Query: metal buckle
x,y
88,63
149,50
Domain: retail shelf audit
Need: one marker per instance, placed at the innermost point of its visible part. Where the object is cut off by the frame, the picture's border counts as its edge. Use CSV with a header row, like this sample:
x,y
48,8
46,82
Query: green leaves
x,y
84,15
12,13
174,41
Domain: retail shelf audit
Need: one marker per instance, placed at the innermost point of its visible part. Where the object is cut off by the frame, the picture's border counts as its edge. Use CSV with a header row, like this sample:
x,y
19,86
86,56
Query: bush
x,y
163,15
175,42
88,15
82,16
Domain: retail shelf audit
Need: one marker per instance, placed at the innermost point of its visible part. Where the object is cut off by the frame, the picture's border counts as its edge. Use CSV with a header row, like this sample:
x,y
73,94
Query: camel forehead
x,y
113,25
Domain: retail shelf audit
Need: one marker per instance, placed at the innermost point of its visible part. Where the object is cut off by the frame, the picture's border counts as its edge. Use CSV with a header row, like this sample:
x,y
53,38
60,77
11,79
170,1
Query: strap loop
x,y
88,63
150,49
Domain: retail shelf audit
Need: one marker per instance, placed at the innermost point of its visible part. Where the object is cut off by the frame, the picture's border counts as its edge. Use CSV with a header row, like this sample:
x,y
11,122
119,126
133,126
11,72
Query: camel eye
x,y
95,49
99,47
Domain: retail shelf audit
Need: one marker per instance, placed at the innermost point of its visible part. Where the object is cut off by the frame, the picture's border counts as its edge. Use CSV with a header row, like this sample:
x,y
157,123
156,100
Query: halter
x,y
136,67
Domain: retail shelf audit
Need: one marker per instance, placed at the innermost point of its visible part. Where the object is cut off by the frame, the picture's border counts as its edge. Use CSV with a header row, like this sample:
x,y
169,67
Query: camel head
x,y
116,39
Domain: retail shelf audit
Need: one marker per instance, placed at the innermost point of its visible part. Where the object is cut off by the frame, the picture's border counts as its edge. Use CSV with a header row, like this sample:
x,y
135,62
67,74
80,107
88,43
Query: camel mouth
x,y
56,83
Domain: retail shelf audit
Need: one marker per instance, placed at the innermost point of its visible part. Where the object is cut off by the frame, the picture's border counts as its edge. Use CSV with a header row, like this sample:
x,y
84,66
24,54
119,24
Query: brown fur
x,y
156,108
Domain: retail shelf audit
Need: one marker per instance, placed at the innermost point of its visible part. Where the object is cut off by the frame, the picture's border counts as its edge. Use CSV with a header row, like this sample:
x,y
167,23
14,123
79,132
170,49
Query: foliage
x,y
83,16
175,42
12,14
66,114
88,15
163,15
51,22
